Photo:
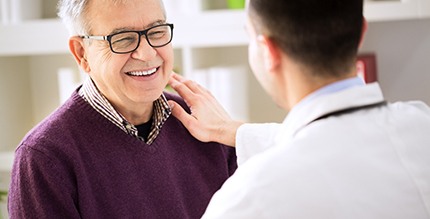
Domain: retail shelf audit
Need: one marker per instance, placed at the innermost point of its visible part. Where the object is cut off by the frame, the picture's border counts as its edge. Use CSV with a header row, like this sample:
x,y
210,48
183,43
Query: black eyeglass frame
x,y
140,33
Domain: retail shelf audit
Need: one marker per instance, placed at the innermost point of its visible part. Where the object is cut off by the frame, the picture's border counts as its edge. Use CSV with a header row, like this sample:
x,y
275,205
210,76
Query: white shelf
x,y
210,29
216,28
49,36
36,37
396,10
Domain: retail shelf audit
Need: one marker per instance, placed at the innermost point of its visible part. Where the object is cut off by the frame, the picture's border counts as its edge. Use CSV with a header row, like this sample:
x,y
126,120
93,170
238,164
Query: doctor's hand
x,y
208,120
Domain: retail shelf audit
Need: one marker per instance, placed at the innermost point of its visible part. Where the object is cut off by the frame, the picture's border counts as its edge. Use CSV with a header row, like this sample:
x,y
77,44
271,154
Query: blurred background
x,y
37,73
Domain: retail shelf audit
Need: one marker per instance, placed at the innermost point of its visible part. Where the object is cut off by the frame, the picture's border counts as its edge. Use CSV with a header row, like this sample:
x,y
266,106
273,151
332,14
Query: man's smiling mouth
x,y
143,73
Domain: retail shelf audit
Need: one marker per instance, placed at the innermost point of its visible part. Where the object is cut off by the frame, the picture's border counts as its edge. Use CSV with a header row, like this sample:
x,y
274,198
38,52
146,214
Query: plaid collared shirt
x,y
161,112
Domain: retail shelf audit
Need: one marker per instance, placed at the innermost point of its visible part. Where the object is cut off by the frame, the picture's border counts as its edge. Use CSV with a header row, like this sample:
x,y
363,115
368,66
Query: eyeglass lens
x,y
129,41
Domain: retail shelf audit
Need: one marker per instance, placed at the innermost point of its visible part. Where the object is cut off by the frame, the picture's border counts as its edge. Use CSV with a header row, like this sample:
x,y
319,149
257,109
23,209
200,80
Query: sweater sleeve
x,y
40,187
232,159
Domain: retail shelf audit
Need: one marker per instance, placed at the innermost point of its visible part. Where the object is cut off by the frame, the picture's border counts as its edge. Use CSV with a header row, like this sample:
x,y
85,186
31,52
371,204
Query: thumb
x,y
189,121
179,112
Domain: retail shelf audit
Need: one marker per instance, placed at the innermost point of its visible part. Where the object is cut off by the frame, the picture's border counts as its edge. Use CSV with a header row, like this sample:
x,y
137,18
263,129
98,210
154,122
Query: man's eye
x,y
157,34
124,39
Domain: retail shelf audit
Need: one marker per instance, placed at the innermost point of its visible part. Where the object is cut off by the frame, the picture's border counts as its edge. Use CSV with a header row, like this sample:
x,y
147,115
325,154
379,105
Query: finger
x,y
192,85
177,111
180,88
189,90
177,76
189,121
175,80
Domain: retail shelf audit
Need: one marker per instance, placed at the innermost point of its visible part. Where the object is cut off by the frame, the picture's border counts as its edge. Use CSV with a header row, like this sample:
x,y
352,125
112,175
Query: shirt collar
x,y
332,88
333,97
99,102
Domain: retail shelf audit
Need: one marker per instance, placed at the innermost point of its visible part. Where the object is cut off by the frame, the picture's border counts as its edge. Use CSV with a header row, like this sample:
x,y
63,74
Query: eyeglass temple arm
x,y
94,37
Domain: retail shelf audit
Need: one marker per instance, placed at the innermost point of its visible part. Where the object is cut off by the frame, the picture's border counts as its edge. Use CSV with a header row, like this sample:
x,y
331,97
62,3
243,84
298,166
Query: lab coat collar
x,y
303,114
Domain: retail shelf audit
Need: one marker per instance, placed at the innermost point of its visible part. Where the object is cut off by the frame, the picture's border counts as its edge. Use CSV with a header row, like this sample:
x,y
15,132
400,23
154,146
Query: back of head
x,y
322,35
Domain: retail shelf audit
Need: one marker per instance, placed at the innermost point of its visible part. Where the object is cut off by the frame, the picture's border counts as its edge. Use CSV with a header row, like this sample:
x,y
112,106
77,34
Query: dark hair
x,y
323,35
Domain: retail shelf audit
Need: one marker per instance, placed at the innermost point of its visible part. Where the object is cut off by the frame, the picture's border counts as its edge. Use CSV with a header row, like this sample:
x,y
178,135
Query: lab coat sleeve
x,y
256,190
240,197
252,139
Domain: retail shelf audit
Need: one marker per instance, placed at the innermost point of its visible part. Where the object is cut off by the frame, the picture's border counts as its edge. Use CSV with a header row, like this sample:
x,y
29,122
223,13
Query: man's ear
x,y
271,53
363,32
76,46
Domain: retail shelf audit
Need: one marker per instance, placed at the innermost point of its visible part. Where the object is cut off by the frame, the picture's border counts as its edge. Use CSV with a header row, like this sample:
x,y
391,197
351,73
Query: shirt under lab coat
x,y
369,163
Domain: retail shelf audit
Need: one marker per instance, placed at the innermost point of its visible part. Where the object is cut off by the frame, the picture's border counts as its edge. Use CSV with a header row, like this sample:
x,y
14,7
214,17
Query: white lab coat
x,y
370,163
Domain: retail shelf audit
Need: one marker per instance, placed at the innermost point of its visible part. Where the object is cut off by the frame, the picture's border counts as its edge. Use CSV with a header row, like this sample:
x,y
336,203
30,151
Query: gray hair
x,y
73,14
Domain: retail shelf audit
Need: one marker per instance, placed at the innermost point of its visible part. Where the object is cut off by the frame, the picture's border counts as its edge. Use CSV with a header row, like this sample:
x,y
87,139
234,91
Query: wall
x,y
16,115
403,58
43,74
28,93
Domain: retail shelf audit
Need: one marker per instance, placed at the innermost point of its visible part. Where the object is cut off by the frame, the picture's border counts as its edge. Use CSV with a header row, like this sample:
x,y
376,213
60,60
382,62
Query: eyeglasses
x,y
128,41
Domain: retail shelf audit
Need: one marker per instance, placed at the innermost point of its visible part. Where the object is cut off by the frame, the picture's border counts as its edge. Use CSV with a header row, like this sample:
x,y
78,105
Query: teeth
x,y
143,73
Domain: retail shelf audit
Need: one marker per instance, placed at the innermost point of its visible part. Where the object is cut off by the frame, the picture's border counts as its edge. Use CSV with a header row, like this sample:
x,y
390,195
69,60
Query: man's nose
x,y
144,51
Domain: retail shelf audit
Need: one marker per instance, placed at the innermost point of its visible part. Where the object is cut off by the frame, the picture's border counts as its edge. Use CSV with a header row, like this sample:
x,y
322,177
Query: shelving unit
x,y
34,37
389,10
213,28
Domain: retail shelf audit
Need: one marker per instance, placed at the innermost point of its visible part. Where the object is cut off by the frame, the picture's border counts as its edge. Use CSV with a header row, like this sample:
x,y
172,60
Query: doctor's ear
x,y
363,32
271,52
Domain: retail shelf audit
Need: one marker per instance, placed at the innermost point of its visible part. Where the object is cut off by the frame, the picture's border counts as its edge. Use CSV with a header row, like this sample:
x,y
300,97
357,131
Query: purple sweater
x,y
77,164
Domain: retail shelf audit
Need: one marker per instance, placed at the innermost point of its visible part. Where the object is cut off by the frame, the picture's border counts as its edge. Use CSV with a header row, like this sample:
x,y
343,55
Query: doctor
x,y
342,151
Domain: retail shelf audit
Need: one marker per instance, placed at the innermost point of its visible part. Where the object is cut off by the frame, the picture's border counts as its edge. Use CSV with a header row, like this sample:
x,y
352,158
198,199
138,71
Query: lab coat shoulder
x,y
416,109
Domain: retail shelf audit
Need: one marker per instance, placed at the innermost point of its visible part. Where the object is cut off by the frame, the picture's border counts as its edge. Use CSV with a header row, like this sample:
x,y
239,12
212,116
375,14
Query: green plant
x,y
236,4
2,195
